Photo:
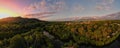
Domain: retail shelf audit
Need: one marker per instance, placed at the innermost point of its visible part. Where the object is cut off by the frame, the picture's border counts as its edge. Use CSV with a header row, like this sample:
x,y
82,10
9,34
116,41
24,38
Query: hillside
x,y
18,20
17,32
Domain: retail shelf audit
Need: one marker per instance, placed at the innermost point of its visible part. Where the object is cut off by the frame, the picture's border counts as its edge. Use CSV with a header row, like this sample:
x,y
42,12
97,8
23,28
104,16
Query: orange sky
x,y
9,7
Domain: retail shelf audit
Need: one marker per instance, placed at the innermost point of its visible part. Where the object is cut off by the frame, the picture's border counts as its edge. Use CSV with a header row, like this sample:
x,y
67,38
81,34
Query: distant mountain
x,y
114,16
88,18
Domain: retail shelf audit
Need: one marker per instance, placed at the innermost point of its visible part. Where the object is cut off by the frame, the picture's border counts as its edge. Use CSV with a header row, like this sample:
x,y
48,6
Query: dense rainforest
x,y
32,33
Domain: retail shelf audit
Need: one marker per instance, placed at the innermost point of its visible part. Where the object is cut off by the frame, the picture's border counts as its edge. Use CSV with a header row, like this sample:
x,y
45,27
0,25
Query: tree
x,y
1,44
17,42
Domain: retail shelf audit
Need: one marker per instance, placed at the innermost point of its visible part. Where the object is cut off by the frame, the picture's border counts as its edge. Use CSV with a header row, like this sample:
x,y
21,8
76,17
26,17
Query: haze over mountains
x,y
113,16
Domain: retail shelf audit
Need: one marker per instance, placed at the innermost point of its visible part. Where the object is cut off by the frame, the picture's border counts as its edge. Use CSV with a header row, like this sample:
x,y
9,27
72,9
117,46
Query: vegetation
x,y
31,33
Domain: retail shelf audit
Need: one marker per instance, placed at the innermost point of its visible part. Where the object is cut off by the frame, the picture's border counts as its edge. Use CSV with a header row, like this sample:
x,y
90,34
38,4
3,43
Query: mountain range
x,y
113,16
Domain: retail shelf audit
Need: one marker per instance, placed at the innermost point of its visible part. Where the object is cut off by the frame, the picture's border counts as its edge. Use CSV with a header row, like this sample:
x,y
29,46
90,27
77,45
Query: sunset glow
x,y
62,8
4,12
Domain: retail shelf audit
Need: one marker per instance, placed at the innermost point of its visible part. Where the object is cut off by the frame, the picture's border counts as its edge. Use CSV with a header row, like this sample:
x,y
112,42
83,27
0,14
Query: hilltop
x,y
18,20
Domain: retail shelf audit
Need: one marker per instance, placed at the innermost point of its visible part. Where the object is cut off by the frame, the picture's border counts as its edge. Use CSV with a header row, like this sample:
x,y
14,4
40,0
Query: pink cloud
x,y
41,16
45,8
43,13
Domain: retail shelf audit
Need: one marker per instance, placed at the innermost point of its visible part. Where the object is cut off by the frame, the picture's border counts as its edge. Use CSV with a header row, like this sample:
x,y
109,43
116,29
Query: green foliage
x,y
29,33
17,42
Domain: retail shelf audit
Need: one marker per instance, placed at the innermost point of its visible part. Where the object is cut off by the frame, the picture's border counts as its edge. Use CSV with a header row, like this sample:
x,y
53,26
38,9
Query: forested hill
x,y
17,32
18,20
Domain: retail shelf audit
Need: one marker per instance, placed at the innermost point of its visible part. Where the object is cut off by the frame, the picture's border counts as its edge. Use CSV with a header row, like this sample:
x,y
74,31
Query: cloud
x,y
78,8
41,6
104,5
109,1
58,6
99,7
44,7
40,15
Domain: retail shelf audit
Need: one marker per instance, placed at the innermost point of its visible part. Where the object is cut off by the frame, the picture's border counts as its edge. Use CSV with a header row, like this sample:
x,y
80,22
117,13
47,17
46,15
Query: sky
x,y
56,9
